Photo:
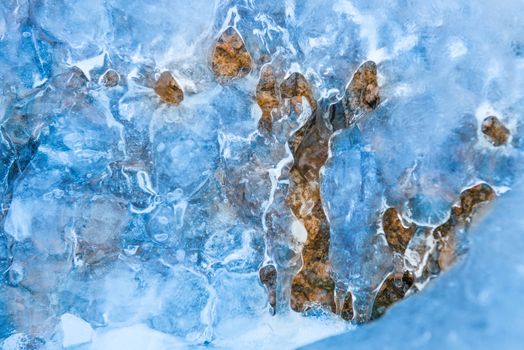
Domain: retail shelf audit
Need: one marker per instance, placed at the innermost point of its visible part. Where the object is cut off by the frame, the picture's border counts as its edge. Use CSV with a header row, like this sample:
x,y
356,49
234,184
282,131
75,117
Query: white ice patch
x,y
75,330
457,48
137,337
89,64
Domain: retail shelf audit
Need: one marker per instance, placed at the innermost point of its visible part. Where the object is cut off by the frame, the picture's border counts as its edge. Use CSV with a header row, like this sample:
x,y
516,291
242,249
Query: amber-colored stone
x,y
495,131
110,78
444,230
461,214
397,235
393,289
230,57
444,235
347,308
168,89
294,88
268,96
310,146
313,284
362,94
472,197
447,251
268,277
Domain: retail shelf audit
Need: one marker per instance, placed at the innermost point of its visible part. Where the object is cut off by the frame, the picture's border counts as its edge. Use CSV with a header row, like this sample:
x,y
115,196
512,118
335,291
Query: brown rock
x,y
294,88
110,78
347,308
472,197
444,230
437,258
268,277
461,215
95,255
268,96
311,147
230,57
362,94
447,251
444,235
313,284
393,289
168,89
495,131
397,235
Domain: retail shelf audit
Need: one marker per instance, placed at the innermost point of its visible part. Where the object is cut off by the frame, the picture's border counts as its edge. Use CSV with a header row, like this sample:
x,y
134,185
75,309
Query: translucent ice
x,y
359,254
470,306
168,168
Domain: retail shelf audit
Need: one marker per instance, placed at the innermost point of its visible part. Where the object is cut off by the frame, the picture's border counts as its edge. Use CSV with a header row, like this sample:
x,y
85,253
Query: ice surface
x,y
359,254
76,331
476,305
129,222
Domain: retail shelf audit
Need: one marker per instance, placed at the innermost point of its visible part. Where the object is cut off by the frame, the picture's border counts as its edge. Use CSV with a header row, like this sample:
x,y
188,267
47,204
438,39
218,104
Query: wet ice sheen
x,y
129,223
468,308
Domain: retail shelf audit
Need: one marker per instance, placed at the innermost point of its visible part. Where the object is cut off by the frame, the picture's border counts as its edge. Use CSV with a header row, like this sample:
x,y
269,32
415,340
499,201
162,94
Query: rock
x,y
362,94
397,235
445,241
313,284
110,78
168,89
472,197
347,308
461,215
268,96
268,277
294,88
98,232
444,230
310,146
496,132
435,258
230,57
393,289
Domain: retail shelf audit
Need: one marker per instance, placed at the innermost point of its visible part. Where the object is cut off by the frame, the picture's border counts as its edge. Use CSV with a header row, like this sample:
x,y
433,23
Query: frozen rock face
x,y
459,308
244,174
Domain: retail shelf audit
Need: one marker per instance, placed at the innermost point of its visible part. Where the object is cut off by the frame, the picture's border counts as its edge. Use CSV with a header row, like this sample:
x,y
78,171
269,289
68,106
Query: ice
x,y
359,255
475,305
129,219
133,337
160,28
75,29
186,300
76,331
